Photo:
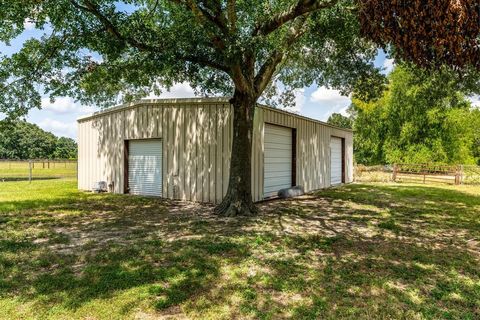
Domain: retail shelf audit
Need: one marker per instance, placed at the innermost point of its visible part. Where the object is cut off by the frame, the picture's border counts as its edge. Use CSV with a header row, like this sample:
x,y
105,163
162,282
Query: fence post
x,y
457,175
394,177
461,174
424,169
30,171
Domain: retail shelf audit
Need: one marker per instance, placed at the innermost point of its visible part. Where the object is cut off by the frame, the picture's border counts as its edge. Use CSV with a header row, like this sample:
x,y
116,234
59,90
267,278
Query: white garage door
x,y
336,160
277,160
145,167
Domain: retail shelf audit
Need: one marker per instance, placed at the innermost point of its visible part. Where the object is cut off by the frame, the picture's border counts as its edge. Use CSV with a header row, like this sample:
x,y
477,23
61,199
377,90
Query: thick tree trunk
x,y
238,200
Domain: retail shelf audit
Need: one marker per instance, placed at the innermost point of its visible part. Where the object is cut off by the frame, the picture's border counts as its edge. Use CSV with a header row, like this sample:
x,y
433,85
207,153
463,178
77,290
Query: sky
x,y
59,117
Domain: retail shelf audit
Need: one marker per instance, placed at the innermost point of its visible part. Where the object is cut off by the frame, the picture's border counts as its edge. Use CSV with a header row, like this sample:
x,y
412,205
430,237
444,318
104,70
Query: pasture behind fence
x,y
471,174
37,169
379,173
419,173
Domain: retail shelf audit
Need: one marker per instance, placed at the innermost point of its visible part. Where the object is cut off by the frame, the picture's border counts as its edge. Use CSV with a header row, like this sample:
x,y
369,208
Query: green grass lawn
x,y
363,251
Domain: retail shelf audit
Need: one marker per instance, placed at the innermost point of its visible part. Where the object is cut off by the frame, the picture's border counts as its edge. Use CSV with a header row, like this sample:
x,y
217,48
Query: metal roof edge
x,y
204,100
293,114
136,103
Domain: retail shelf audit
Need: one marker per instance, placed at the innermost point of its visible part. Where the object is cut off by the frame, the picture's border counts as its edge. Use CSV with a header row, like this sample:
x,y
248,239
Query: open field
x,y
363,251
19,170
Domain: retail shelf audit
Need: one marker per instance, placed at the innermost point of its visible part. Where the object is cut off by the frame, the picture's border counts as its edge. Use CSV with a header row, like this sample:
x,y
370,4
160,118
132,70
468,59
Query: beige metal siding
x,y
313,149
197,138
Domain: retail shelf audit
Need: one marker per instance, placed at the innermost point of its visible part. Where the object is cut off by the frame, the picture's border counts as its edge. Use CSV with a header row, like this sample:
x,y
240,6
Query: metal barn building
x,y
180,149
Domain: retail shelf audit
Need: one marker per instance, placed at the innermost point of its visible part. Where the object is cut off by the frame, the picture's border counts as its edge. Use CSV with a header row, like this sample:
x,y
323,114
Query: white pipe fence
x,y
36,169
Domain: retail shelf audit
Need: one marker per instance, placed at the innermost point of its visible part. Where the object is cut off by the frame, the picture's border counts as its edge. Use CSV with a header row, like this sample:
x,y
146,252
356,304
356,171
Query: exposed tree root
x,y
231,207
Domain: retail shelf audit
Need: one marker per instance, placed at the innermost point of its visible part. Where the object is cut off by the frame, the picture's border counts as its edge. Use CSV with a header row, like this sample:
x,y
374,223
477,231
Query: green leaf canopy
x,y
101,52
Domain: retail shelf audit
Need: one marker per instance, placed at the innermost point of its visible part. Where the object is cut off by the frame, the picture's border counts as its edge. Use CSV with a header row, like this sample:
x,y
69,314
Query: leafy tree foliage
x,y
420,118
474,124
427,32
97,53
340,120
65,148
23,140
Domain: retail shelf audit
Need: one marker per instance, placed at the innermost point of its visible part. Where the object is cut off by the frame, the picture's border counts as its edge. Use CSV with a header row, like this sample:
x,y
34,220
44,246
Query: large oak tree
x,y
97,52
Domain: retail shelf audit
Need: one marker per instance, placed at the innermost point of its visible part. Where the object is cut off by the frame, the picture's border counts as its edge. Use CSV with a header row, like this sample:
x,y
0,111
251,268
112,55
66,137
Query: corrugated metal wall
x,y
197,137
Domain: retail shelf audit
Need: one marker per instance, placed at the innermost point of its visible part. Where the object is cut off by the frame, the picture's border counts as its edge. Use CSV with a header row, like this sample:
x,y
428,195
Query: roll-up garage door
x,y
145,167
336,160
277,160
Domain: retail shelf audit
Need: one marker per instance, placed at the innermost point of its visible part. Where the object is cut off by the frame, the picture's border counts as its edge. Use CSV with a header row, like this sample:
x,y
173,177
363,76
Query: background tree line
x,y
419,118
22,140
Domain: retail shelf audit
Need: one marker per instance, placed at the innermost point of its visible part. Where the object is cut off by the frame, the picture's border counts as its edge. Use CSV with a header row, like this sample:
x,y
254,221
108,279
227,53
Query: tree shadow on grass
x,y
392,279
174,271
408,210
179,269
374,251
367,277
357,251
68,252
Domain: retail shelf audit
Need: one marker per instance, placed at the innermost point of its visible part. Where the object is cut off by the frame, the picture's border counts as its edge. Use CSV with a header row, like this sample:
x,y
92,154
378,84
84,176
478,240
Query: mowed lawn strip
x,y
361,251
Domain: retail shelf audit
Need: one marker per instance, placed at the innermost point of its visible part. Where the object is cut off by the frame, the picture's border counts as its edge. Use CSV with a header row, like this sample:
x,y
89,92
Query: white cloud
x,y
28,24
328,101
178,90
475,100
299,99
388,65
343,111
63,105
60,105
59,128
59,117
330,97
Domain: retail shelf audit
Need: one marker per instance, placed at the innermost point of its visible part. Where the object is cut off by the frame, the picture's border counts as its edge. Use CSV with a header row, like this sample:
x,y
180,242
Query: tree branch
x,y
301,8
202,15
110,27
113,30
45,57
203,61
218,17
239,78
267,70
232,15
152,11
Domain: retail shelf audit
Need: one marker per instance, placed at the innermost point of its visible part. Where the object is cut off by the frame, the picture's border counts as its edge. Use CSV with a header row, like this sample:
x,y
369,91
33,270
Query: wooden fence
x,y
37,169
428,173
420,173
